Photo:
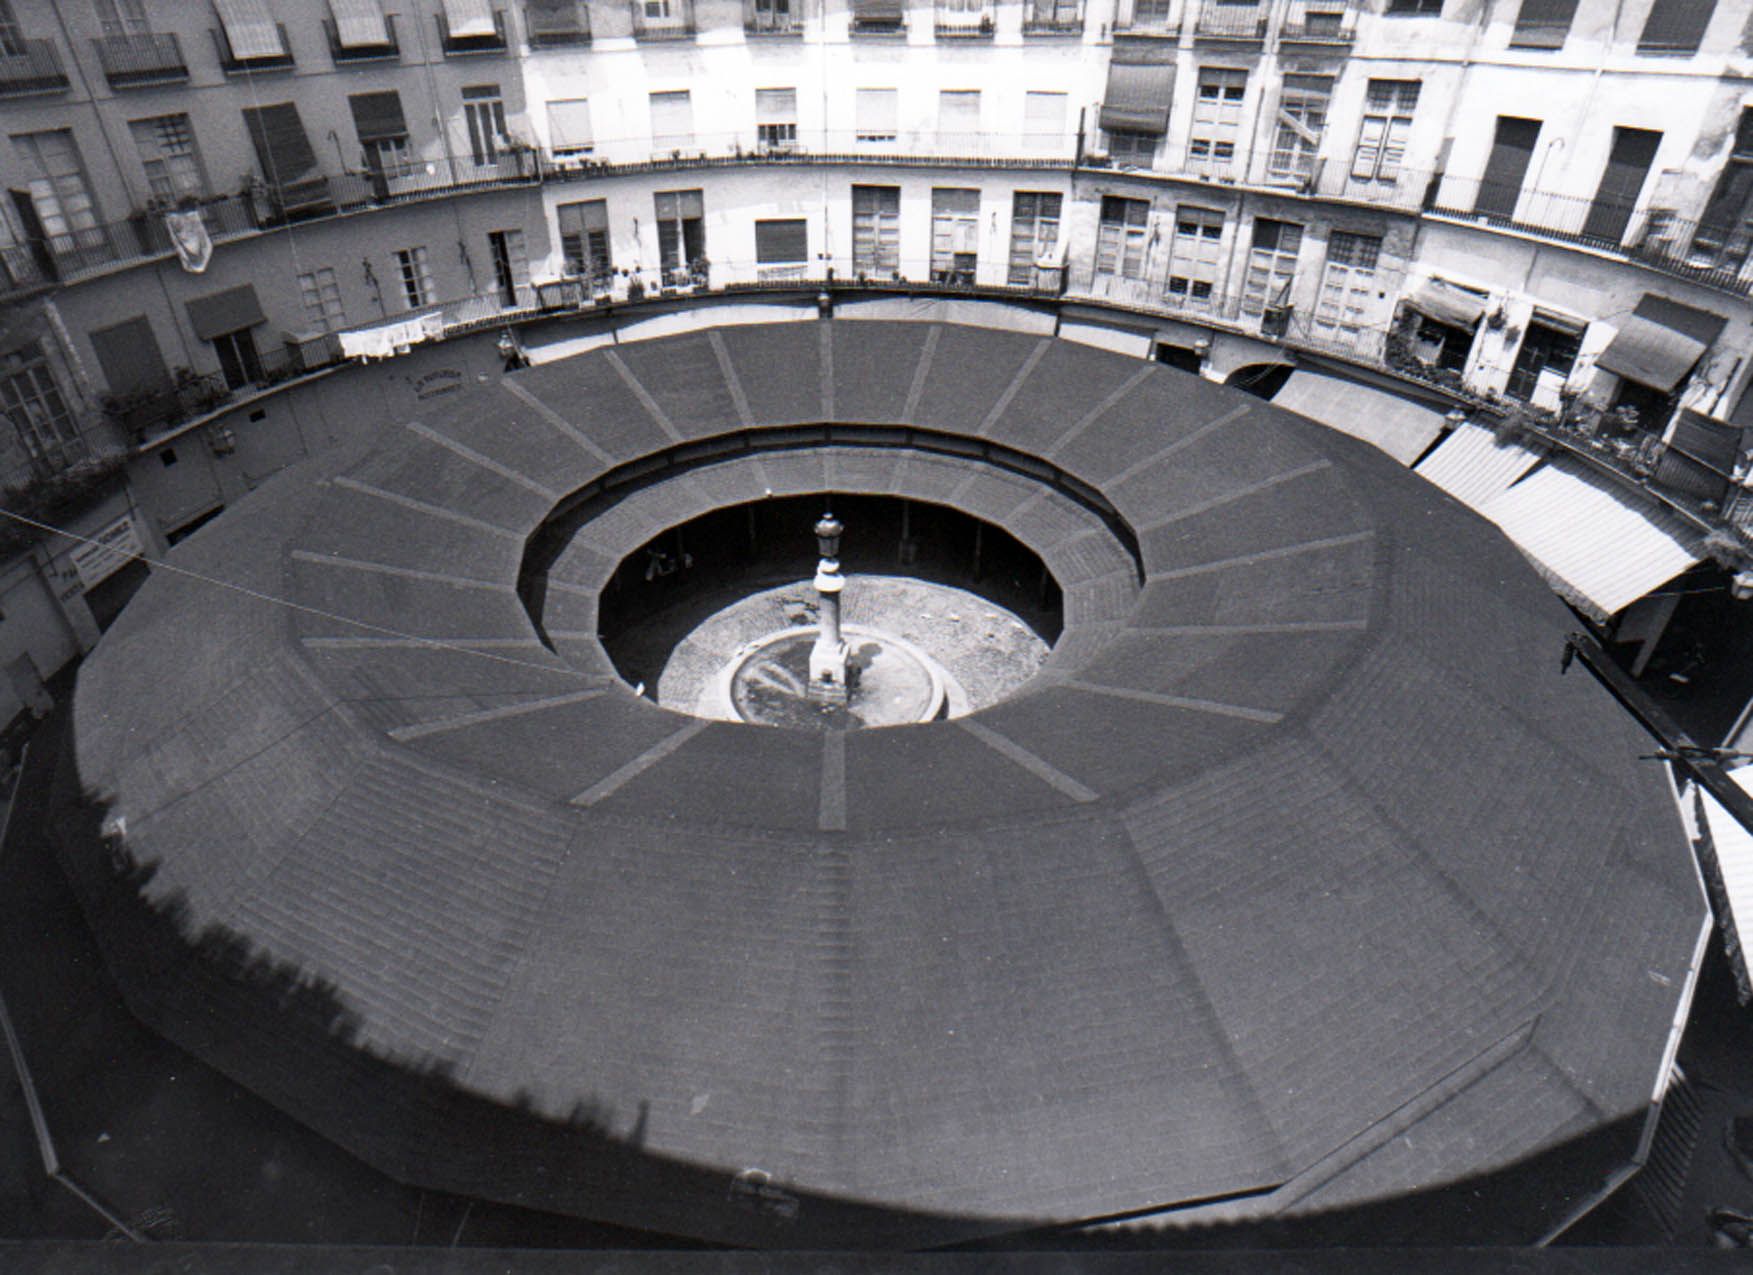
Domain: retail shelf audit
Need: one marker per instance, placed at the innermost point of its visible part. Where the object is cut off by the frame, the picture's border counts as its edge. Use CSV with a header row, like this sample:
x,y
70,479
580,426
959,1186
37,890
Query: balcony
x,y
30,66
958,20
880,19
663,19
466,44
388,49
1230,21
139,61
557,25
1328,24
771,18
274,57
1053,18
1155,18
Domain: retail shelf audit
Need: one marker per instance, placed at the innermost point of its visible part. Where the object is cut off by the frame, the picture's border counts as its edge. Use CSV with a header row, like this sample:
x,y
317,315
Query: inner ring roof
x,y
1298,838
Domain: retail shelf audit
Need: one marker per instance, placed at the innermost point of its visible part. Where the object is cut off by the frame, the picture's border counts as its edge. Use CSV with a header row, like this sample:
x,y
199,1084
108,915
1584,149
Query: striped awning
x,y
1398,426
1441,300
467,19
1473,467
1730,860
227,311
1699,459
1599,544
359,24
250,29
1139,94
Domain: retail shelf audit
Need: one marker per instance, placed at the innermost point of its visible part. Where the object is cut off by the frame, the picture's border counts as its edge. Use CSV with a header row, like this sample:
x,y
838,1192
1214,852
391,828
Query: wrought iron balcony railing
x,y
30,66
136,61
233,63
389,49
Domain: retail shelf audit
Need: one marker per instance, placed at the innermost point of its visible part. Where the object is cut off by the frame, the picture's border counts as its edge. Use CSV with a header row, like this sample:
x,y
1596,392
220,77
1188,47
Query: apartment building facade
x,y
1538,206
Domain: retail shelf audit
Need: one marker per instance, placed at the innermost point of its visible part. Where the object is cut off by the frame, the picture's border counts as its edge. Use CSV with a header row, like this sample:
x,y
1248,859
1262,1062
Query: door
x,y
1634,150
510,266
1512,149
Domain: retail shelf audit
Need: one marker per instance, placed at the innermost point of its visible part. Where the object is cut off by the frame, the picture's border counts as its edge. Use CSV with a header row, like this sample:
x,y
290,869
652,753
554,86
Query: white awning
x,y
1733,846
1398,426
250,29
467,19
359,24
1447,303
1600,545
1473,467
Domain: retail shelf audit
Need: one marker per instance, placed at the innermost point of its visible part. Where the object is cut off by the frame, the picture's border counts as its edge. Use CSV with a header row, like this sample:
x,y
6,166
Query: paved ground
x,y
985,648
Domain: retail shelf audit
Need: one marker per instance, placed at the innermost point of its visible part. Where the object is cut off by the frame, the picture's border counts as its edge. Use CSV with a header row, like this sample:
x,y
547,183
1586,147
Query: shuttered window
x,y
776,119
955,234
1675,27
1512,150
1120,238
1217,119
377,116
1194,256
1628,164
1543,24
876,231
282,148
779,243
584,238
1348,286
958,119
1034,232
1387,123
876,114
1271,264
672,120
569,130
1726,229
1043,121
1302,118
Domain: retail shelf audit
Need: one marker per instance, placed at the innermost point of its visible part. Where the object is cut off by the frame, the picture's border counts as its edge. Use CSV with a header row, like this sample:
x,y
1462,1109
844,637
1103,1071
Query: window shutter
x,y
1369,147
569,125
1675,26
129,355
359,24
877,111
469,19
250,29
782,242
1543,24
776,106
672,118
377,116
281,145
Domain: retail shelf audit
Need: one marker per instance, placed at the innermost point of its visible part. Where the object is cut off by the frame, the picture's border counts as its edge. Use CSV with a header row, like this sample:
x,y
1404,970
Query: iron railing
x,y
1228,20
1325,22
772,17
232,64
662,19
386,50
31,66
554,28
134,61
456,46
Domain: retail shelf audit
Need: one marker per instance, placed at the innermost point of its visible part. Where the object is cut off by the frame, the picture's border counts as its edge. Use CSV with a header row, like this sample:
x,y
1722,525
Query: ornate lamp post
x,y
828,656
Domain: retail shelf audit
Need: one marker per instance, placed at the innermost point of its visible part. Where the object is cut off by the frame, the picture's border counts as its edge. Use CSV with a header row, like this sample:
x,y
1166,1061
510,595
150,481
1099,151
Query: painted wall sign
x,y
109,552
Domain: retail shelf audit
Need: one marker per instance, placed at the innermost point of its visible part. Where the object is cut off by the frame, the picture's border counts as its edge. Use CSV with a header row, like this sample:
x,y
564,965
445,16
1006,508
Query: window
x,y
958,119
1348,286
1120,238
584,238
1043,121
511,264
876,112
1302,117
1130,149
11,38
33,403
484,116
322,299
1271,265
1194,255
769,16
1628,164
955,234
416,276
1548,351
1512,150
382,131
569,128
672,120
876,231
776,119
1431,8
681,233
1151,14
166,146
238,361
1387,121
1725,231
1542,24
282,148
58,192
123,17
782,248
1034,232
1217,119
1675,27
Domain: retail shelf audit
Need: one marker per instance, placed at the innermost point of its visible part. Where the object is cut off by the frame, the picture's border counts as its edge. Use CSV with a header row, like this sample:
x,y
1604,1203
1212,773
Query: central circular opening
x,y
926,612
